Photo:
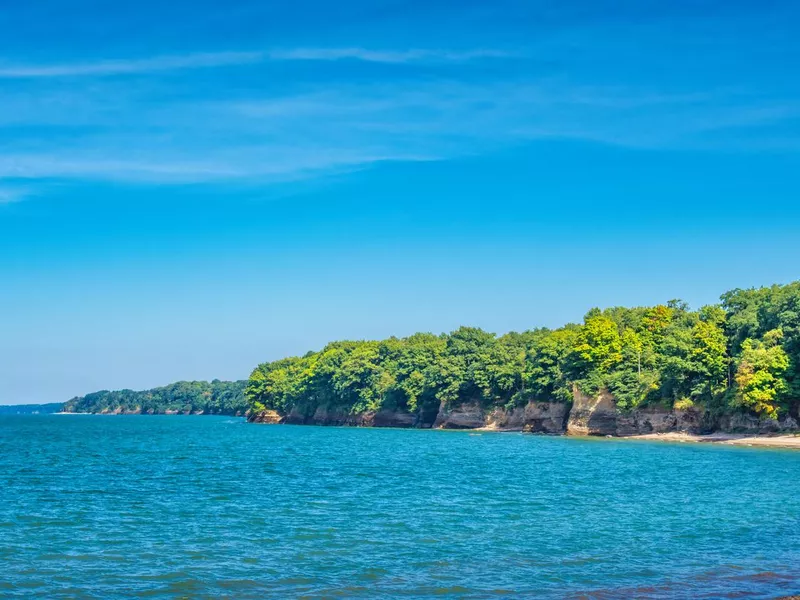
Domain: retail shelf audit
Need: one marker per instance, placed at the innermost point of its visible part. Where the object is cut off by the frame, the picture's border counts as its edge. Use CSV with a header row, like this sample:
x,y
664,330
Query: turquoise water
x,y
202,507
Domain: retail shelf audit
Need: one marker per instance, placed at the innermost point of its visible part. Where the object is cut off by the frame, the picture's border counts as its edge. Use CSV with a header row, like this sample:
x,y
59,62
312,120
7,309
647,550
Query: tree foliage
x,y
215,397
760,375
722,357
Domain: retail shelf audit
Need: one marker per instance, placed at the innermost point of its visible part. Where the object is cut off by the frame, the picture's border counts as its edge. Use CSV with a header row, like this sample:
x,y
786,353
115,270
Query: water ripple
x,y
172,507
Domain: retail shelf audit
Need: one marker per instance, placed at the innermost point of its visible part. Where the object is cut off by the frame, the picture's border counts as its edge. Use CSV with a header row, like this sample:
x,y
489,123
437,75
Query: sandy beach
x,y
731,439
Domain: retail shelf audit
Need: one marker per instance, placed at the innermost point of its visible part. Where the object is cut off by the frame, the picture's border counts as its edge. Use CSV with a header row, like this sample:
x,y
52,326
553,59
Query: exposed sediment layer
x,y
535,417
599,415
596,415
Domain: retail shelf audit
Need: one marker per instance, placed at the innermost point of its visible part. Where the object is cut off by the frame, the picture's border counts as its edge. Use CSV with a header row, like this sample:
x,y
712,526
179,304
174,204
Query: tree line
x,y
215,397
742,354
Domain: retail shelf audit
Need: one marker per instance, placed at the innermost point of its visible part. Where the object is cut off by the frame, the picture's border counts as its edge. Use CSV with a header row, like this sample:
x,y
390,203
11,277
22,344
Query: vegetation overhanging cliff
x,y
733,365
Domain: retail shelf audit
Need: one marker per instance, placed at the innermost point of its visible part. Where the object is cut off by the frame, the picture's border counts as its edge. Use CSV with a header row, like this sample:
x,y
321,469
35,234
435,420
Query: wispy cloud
x,y
264,163
385,56
223,59
278,138
129,66
200,129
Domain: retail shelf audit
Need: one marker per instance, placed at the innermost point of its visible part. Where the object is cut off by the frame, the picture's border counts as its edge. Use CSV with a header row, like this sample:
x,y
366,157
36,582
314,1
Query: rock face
x,y
326,416
659,420
462,416
337,417
651,420
534,417
599,415
742,423
592,415
389,418
295,417
268,416
588,415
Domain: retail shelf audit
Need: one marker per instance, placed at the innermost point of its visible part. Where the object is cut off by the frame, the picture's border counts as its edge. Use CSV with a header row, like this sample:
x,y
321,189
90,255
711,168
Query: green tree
x,y
760,382
597,350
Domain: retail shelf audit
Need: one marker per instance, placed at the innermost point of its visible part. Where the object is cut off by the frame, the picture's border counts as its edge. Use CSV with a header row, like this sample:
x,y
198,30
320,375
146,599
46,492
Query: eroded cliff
x,y
596,415
599,415
535,417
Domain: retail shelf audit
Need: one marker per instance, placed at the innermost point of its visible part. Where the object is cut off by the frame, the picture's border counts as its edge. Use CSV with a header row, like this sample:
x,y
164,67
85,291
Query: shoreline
x,y
765,440
728,439
785,440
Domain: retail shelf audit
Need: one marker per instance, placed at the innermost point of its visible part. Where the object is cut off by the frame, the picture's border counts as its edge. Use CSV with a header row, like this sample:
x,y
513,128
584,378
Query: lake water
x,y
207,507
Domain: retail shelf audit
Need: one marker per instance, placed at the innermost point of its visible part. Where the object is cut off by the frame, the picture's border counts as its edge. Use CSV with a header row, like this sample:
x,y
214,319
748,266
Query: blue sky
x,y
190,188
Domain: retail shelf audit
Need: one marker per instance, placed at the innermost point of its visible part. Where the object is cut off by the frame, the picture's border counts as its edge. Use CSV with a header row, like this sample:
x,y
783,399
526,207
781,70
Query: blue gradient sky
x,y
189,188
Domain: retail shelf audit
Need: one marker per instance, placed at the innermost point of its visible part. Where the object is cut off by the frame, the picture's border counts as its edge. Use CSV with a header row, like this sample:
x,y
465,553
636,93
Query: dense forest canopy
x,y
742,354
215,397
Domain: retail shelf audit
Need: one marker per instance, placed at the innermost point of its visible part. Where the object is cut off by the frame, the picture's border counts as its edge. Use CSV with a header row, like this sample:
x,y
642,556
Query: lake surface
x,y
202,507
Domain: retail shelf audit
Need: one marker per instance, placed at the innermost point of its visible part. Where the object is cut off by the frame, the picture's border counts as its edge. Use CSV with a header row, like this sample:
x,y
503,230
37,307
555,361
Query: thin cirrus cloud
x,y
297,136
385,56
225,59
288,136
162,131
108,159
131,66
